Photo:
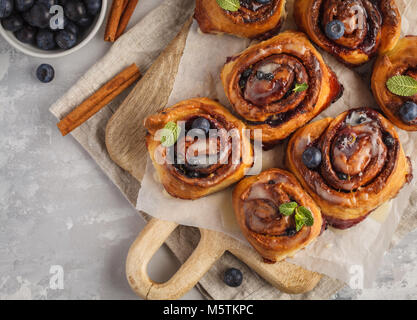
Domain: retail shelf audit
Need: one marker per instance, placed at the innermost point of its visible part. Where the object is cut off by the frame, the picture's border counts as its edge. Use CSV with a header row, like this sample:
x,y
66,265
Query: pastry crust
x,y
402,60
377,29
280,110
363,164
252,20
182,180
256,202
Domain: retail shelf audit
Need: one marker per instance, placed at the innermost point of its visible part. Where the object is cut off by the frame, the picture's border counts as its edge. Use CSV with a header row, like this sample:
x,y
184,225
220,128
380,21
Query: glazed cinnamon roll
x,y
350,165
401,61
275,233
253,19
197,148
351,30
279,85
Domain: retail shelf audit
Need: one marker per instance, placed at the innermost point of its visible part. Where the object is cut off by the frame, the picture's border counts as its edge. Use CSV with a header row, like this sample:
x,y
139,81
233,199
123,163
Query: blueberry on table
x,y
45,40
26,35
408,111
233,277
65,40
6,8
12,23
75,10
85,22
201,123
311,157
45,73
40,16
335,29
23,5
93,6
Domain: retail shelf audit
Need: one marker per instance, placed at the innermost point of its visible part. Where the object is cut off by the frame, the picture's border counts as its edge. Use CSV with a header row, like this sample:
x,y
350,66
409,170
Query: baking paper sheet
x,y
352,255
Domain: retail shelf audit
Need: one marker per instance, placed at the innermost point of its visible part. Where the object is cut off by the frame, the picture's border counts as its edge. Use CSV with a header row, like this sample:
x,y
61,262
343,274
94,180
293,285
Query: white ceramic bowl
x,y
35,52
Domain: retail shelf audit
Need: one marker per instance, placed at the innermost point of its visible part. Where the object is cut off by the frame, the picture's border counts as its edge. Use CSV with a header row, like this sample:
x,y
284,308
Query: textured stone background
x,y
58,208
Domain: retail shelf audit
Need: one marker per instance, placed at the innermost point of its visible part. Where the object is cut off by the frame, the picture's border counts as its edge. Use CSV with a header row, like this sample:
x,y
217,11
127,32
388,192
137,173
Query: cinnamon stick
x,y
117,9
127,14
99,99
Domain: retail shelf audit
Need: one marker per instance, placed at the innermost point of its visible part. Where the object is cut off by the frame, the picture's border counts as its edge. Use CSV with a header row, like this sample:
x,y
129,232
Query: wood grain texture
x,y
125,137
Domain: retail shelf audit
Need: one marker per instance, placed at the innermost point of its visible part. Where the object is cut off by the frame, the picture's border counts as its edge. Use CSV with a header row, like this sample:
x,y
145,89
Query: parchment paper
x,y
353,255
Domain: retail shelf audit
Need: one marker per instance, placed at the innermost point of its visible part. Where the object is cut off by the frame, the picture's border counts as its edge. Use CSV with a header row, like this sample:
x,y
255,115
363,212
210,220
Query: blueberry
x,y
12,23
247,73
75,10
242,82
72,27
263,1
259,75
269,76
6,8
408,111
342,176
26,35
85,21
93,6
201,123
65,40
23,5
335,29
389,140
39,16
45,73
312,157
48,3
233,277
45,40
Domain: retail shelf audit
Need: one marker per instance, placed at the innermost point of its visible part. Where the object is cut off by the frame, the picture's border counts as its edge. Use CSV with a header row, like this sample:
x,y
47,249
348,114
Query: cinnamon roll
x,y
274,233
197,148
253,19
401,61
350,165
279,85
351,30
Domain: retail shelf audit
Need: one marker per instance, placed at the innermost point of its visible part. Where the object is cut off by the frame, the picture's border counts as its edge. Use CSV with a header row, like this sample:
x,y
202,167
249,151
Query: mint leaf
x,y
230,5
170,134
287,209
300,87
303,217
404,86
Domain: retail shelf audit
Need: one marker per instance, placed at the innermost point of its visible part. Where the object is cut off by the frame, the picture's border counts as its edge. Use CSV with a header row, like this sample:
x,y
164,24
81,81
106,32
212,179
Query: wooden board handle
x,y
145,246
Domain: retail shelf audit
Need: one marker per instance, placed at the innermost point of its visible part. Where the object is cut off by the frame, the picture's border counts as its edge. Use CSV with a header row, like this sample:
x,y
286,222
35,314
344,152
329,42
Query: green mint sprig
x,y
404,86
230,5
170,134
303,216
300,87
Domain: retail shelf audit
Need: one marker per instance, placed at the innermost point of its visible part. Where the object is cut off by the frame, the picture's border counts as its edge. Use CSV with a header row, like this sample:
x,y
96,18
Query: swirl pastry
x,y
402,60
351,30
210,153
256,203
254,19
350,165
261,84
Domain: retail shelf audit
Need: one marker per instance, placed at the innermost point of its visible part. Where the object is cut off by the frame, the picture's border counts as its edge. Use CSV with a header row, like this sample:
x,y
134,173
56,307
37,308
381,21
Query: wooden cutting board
x,y
125,141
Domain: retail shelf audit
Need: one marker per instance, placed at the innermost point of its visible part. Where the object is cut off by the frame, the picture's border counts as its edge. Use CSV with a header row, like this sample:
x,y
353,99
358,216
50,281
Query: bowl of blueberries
x,y
50,28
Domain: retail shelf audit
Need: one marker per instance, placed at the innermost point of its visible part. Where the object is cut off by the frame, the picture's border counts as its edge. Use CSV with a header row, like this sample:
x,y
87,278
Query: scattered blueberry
x,y
65,40
311,157
12,23
72,27
233,277
75,10
201,123
408,111
335,29
23,5
93,6
342,176
6,8
26,35
45,73
45,40
85,21
259,75
40,16
389,140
